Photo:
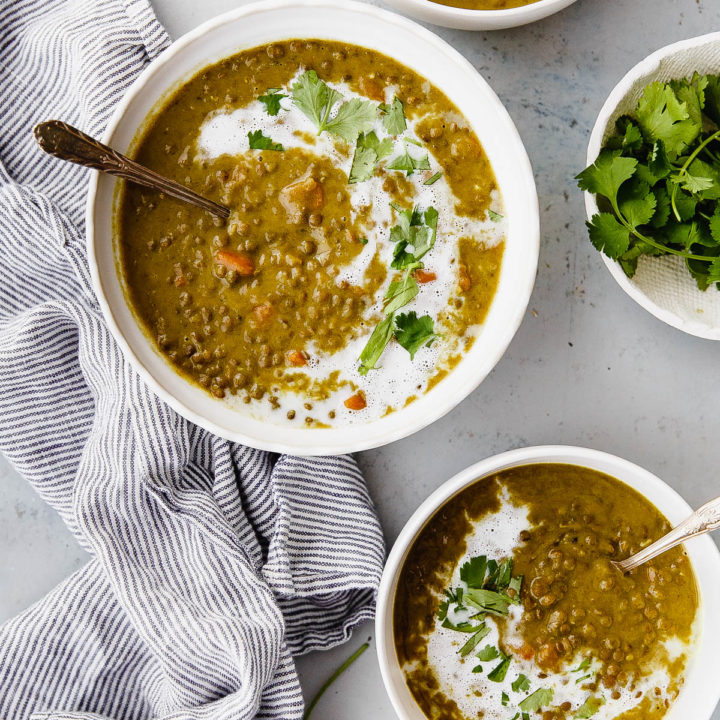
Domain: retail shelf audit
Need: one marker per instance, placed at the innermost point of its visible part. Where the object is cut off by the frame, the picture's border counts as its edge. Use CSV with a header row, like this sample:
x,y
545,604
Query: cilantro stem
x,y
684,169
334,677
664,248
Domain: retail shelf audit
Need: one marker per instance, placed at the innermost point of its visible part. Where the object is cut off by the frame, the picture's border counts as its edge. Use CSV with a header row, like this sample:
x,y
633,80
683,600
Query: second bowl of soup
x,y
499,599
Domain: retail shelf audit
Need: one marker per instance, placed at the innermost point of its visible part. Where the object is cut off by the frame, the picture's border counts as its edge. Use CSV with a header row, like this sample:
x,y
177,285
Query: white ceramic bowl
x,y
701,691
256,24
464,19
663,286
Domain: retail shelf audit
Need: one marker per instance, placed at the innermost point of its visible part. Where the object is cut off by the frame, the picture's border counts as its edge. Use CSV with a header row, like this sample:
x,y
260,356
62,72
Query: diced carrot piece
x,y
356,401
424,276
263,313
240,262
464,278
297,358
371,88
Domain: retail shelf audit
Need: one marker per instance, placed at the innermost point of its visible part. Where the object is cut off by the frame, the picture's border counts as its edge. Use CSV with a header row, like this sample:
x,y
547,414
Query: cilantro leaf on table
x,y
271,101
413,332
258,141
540,698
316,100
662,116
589,707
393,117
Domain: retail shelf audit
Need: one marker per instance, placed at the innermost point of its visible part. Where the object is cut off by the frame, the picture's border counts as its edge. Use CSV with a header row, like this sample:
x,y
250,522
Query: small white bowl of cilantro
x,y
480,14
652,185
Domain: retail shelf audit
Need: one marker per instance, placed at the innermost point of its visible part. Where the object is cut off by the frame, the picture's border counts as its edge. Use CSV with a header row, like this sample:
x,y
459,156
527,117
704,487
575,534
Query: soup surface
x,y
507,604
364,245
485,4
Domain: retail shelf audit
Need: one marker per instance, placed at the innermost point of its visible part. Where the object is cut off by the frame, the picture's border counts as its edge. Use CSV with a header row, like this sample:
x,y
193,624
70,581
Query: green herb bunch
x,y
658,180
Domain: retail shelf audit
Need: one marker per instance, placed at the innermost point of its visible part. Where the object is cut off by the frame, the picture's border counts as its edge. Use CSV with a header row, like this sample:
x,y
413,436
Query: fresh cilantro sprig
x,y
316,100
415,236
271,101
658,180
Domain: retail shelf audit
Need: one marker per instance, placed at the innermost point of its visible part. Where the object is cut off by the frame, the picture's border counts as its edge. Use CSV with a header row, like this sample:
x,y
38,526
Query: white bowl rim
x,y
645,66
318,444
675,508
468,19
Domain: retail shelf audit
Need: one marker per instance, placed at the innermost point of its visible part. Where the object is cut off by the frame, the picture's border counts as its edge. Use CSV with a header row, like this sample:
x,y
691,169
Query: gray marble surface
x,y
587,367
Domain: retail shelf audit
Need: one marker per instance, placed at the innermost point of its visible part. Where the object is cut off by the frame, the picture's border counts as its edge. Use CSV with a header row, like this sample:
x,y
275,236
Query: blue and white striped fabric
x,y
213,564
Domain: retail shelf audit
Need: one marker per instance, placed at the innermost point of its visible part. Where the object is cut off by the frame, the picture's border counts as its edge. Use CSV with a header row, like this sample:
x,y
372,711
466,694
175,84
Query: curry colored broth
x,y
235,335
574,602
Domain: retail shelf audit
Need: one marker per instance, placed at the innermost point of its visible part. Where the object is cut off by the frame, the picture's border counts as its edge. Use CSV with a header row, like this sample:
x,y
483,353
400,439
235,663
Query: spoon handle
x,y
68,143
704,519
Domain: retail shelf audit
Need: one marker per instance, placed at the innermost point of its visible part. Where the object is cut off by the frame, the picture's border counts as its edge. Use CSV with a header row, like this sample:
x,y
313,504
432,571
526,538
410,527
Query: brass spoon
x,y
703,520
68,143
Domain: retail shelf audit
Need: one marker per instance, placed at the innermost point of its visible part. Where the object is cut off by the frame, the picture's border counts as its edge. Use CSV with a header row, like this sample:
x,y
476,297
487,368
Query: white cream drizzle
x,y
398,378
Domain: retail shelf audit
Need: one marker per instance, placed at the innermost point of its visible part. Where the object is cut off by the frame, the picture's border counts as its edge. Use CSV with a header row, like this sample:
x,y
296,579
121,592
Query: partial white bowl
x,y
463,19
663,286
256,24
701,691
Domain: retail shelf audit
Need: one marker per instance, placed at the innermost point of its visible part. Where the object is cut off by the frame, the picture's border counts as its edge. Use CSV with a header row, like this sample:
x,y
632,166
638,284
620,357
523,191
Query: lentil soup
x,y
311,305
507,602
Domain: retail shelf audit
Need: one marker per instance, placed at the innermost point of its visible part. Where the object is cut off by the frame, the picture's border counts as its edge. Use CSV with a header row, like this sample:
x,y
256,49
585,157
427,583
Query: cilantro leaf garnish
x,y
393,117
258,141
498,673
589,707
584,665
473,571
538,699
376,344
504,699
413,332
521,684
471,644
400,293
488,653
271,101
316,100
494,216
433,178
408,164
415,229
369,151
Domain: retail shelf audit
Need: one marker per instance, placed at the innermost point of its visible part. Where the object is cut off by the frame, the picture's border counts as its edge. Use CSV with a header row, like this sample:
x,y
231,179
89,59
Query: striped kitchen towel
x,y
212,564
